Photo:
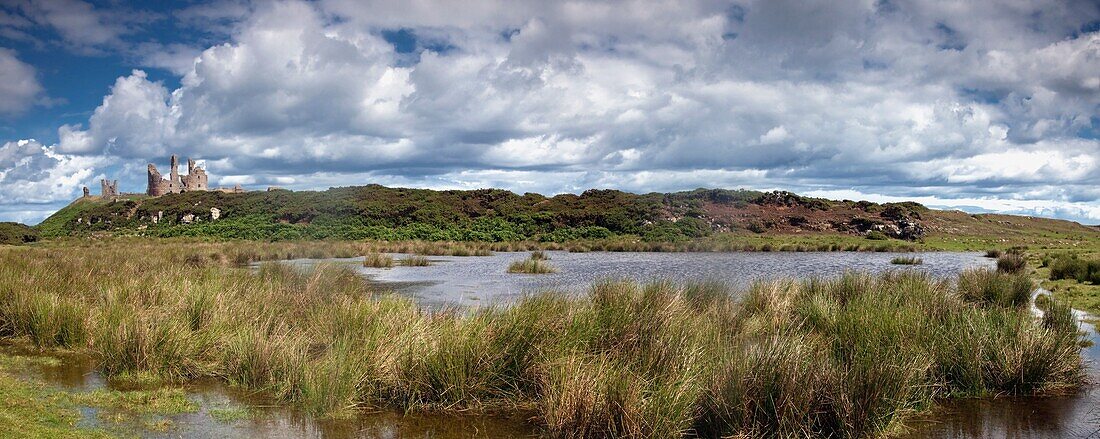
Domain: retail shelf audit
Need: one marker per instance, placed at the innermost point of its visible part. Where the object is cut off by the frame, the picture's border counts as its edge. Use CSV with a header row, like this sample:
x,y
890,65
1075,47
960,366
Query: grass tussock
x,y
415,261
1011,263
853,356
377,260
531,266
907,260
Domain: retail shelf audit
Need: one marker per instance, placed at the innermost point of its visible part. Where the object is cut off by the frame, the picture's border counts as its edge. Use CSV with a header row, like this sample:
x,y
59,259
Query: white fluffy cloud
x,y
19,89
894,98
32,173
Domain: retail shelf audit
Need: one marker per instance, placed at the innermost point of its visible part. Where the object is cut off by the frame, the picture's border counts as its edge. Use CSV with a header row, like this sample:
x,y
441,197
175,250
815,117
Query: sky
x,y
989,106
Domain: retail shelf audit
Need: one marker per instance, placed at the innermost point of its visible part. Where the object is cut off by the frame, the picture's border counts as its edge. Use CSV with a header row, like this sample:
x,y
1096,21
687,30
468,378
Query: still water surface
x,y
479,280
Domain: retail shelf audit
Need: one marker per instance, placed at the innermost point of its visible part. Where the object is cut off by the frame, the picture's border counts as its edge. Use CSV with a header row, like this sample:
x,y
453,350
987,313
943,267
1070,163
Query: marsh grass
x,y
415,261
995,287
907,260
1011,263
377,260
852,356
531,266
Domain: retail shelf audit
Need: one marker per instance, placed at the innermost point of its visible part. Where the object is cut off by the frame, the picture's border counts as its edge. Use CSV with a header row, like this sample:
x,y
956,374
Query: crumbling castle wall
x,y
195,179
108,188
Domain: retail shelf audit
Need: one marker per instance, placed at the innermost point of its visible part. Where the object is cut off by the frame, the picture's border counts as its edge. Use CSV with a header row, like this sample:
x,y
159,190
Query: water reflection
x,y
1074,416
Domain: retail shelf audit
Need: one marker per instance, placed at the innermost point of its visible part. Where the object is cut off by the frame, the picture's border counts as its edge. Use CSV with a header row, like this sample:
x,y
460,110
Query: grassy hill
x,y
16,234
377,212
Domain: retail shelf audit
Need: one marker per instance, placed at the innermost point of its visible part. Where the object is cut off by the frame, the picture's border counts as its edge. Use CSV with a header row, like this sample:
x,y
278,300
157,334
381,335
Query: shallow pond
x,y
474,280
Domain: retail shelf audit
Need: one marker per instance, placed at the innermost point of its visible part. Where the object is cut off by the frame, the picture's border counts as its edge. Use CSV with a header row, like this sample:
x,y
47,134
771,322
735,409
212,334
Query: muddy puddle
x,y
227,412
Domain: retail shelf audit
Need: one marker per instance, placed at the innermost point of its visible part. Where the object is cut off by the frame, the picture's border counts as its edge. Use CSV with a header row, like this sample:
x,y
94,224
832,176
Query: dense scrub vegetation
x,y
853,356
492,215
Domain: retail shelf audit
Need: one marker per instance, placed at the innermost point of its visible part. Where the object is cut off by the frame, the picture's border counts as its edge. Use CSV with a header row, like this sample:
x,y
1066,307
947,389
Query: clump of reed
x,y
540,255
907,260
1011,263
993,253
996,287
852,356
378,260
531,266
415,261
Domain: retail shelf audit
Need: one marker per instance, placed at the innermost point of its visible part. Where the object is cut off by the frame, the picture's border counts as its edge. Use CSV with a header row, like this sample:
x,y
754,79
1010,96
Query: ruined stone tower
x,y
195,180
108,188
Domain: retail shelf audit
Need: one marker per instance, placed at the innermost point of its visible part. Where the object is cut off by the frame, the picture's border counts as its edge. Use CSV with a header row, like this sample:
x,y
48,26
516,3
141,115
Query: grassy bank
x,y
1071,276
854,356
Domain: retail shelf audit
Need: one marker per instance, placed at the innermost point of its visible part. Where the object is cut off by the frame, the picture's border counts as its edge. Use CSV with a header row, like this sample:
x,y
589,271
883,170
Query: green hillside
x,y
377,212
16,234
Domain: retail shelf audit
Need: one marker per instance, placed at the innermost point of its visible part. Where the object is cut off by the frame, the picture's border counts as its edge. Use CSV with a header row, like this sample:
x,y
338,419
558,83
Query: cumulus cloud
x,y
32,173
894,98
19,88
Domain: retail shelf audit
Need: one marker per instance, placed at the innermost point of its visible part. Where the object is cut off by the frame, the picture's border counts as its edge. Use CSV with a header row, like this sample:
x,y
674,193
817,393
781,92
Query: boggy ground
x,y
855,356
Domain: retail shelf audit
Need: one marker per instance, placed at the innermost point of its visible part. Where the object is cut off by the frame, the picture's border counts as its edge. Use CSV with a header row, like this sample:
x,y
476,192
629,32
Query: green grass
x,y
229,415
29,409
32,409
1059,276
853,356
163,401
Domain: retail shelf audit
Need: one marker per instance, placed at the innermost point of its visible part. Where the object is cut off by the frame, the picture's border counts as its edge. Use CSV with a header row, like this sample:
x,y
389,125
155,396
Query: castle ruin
x,y
108,188
195,180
